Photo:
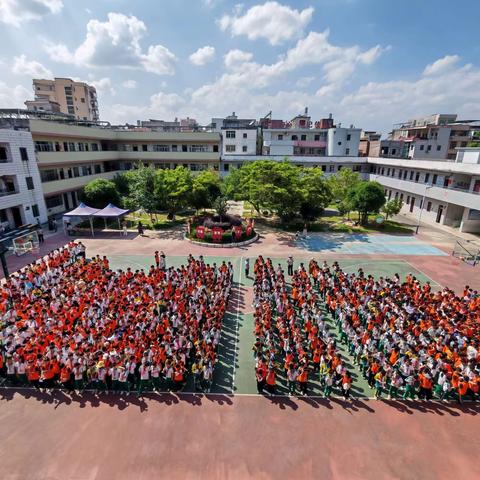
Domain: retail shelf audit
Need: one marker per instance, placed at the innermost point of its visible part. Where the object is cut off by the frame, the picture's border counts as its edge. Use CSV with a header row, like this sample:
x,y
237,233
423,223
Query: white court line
x,y
424,274
236,326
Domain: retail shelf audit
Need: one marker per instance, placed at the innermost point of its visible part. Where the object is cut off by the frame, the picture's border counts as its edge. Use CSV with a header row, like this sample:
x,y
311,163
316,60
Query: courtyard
x,y
240,433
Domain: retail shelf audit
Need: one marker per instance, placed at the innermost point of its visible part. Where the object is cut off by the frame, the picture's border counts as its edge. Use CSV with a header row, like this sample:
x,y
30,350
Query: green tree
x,y
99,193
121,181
141,186
268,185
173,189
316,193
220,206
392,207
366,197
206,188
342,182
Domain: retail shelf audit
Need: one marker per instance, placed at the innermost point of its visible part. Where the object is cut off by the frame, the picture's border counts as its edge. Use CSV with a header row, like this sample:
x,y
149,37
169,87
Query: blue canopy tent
x,y
83,211
111,211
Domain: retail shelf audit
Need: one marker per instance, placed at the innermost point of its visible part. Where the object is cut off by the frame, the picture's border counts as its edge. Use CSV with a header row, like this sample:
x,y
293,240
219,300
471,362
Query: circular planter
x,y
224,245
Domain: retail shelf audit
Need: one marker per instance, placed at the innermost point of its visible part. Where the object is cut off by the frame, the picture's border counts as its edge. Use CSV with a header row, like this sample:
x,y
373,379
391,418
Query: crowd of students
x,y
292,338
74,323
408,341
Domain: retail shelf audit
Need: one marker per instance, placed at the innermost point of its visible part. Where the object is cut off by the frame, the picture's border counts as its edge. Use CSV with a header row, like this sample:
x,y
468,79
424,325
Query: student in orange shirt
x,y
270,381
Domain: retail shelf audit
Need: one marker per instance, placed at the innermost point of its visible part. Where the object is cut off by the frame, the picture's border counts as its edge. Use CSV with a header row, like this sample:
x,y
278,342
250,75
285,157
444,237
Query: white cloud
x,y
272,21
202,56
13,97
235,58
17,12
131,84
32,68
162,106
384,103
441,65
116,43
304,81
374,105
103,86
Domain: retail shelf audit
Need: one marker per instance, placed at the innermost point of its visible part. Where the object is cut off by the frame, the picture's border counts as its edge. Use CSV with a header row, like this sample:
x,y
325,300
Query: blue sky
x,y
371,63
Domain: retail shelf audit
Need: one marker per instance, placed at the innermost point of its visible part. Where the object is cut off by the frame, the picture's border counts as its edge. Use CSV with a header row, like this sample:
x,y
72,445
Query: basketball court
x,y
234,432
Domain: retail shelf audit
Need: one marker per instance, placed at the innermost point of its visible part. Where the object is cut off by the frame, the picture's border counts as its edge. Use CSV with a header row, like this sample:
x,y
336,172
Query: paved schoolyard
x,y
235,433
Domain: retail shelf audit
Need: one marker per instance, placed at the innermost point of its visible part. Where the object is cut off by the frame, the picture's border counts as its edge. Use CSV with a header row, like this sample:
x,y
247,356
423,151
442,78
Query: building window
x,y
3,155
98,169
393,172
422,147
145,148
427,177
280,137
347,151
408,200
348,137
405,175
434,180
417,176
23,154
226,167
244,149
244,135
135,148
294,137
230,134
429,206
71,147
401,197
30,184
174,148
439,147
339,143
184,148
331,168
324,168
35,210
215,148
388,172
52,202
394,151
429,148
48,175
82,100
316,138
161,148
303,138
229,148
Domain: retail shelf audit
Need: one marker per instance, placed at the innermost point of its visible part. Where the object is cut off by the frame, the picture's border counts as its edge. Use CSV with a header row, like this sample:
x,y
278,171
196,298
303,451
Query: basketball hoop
x,y
26,243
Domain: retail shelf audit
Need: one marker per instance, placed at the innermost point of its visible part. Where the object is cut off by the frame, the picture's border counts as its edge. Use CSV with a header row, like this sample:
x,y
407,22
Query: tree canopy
x,y
99,193
366,197
280,187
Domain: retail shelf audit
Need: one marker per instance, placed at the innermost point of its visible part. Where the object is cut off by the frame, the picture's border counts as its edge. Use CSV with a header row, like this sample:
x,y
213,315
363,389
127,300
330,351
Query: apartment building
x,y
67,96
21,194
436,136
300,138
239,136
70,156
